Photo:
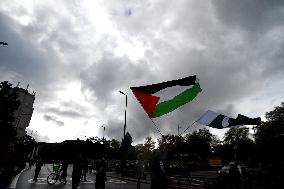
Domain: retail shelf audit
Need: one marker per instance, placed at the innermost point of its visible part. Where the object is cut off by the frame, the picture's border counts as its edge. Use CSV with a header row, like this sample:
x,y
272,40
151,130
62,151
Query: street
x,y
25,181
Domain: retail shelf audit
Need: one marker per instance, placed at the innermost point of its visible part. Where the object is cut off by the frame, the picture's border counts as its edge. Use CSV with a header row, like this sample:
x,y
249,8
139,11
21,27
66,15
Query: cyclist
x,y
56,168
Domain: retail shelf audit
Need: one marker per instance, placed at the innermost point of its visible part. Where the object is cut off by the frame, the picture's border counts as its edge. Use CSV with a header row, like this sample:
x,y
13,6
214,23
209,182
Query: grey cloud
x,y
235,48
53,119
253,15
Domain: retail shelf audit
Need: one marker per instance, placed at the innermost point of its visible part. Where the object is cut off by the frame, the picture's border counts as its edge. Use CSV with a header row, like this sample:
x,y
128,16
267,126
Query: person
x,y
77,171
234,175
158,174
8,164
56,167
38,165
64,170
139,173
84,170
101,175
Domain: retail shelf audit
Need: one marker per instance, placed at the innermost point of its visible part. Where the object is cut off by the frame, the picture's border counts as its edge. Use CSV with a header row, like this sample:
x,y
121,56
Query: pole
x,y
156,127
188,127
123,155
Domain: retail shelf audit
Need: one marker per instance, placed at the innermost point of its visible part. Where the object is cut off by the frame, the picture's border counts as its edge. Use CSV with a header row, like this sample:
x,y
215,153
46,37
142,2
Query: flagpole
x,y
188,127
156,127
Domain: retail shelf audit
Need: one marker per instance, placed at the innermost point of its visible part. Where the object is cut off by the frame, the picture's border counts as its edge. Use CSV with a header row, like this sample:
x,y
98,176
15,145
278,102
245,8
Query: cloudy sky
x,y
78,54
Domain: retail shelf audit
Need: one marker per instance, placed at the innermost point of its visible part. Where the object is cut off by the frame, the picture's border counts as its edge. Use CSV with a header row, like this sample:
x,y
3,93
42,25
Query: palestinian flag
x,y
162,98
215,120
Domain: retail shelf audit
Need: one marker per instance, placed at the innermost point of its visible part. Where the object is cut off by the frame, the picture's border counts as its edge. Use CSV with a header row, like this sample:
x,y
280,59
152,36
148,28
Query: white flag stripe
x,y
170,92
207,118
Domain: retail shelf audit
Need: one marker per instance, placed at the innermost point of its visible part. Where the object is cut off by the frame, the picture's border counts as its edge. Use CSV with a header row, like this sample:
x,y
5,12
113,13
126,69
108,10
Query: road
x,y
25,181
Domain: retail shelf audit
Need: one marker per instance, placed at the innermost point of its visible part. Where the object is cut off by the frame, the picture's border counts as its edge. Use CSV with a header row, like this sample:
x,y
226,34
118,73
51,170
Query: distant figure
x,y
38,165
64,170
158,177
90,166
234,175
139,173
77,171
84,170
101,175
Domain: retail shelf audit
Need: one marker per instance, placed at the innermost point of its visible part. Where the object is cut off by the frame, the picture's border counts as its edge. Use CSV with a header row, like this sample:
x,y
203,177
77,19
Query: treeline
x,y
239,144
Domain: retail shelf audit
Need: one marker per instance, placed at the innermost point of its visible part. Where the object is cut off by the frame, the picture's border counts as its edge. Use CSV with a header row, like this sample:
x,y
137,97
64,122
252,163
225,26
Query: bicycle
x,y
55,176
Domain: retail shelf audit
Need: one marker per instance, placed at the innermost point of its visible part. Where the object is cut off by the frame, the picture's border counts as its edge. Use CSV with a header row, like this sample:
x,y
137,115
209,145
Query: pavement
x,y
24,180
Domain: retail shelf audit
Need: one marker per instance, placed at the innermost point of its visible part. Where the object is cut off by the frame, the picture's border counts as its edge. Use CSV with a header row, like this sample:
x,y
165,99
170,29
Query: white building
x,y
24,113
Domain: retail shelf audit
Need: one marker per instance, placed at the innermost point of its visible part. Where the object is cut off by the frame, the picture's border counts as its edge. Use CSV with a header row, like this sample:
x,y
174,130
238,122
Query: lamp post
x,y
124,113
104,129
3,43
123,158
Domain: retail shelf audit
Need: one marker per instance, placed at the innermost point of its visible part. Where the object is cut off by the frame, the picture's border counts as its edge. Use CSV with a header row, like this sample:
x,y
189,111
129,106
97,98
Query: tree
x,y
238,145
201,143
235,135
171,145
270,136
145,151
9,103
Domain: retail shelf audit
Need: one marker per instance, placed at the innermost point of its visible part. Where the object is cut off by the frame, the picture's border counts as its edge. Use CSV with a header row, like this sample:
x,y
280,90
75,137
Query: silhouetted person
x,y
234,175
139,173
158,175
101,175
64,170
38,165
84,170
8,165
77,171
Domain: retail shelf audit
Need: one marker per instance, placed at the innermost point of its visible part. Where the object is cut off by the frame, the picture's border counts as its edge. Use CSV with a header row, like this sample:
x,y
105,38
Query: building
x,y
24,113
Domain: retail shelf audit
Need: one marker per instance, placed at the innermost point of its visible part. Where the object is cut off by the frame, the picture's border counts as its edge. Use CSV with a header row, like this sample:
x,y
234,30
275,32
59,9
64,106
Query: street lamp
x,y
104,128
124,113
123,161
3,43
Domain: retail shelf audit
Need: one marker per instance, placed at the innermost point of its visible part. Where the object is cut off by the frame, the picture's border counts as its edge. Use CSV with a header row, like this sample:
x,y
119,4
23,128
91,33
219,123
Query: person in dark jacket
x,y
38,165
77,171
64,170
158,175
8,165
101,175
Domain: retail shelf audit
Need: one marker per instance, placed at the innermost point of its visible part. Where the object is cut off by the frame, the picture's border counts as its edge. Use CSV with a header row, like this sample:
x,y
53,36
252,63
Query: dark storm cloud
x,y
257,16
53,119
112,74
234,47
63,112
69,109
27,59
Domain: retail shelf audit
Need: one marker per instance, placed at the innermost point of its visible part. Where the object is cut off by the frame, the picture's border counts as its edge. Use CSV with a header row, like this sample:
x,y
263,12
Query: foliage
x,y
201,142
270,136
8,105
238,146
145,151
236,135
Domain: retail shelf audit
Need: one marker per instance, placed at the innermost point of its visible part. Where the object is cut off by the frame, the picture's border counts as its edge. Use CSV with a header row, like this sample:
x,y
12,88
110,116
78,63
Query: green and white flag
x,y
162,98
215,120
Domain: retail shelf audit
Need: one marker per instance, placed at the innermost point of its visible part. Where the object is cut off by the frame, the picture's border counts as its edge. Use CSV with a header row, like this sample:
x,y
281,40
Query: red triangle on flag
x,y
147,101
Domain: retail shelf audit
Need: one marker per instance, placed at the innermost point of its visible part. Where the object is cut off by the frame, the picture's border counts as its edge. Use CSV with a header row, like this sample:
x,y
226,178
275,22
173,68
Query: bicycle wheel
x,y
63,180
52,178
